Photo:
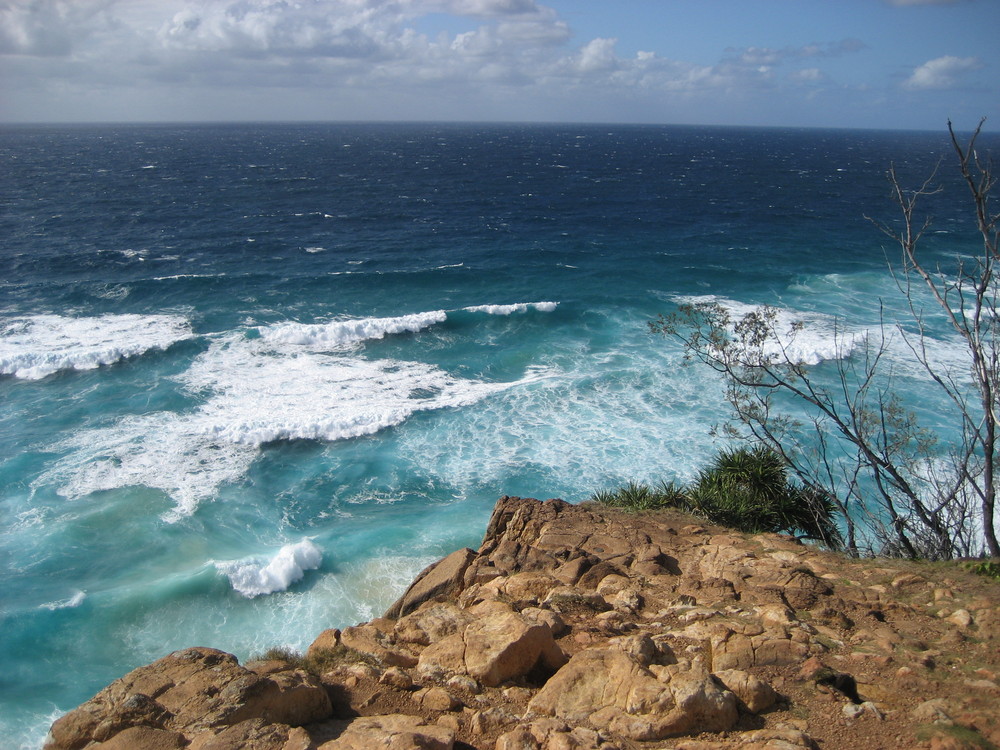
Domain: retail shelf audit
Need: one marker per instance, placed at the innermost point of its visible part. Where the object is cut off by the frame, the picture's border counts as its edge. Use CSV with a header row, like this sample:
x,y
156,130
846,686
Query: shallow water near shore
x,y
254,378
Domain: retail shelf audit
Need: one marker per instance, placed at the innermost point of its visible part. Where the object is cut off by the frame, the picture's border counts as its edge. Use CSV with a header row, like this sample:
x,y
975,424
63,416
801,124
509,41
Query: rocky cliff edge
x,y
583,628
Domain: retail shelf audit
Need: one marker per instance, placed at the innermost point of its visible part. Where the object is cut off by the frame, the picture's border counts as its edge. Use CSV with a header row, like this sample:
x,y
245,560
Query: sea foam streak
x,y
37,346
163,451
255,391
802,337
262,394
256,577
74,601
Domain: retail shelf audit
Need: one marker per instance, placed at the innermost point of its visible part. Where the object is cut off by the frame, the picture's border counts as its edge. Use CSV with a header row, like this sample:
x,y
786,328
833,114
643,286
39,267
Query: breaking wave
x,y
801,337
257,577
37,346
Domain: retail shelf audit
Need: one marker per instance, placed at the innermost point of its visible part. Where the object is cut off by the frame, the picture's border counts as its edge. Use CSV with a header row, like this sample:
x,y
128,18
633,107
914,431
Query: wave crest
x,y
806,338
514,308
257,577
344,332
37,346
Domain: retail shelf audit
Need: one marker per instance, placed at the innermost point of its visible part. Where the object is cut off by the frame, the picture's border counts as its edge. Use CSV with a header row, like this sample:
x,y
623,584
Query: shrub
x,y
638,497
746,489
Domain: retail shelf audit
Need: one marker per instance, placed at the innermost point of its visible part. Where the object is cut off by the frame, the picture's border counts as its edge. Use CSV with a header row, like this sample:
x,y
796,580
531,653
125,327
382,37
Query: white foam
x,y
255,577
254,392
163,451
72,602
800,337
551,437
263,394
37,346
343,332
515,308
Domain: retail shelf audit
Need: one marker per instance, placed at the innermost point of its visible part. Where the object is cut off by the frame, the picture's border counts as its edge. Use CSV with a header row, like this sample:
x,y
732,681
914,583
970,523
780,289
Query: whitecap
x,y
258,576
72,602
261,393
163,451
34,347
253,392
806,338
514,308
322,336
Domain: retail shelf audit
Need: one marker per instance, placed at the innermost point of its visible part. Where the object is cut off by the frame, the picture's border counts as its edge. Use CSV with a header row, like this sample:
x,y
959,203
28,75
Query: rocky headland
x,y
585,628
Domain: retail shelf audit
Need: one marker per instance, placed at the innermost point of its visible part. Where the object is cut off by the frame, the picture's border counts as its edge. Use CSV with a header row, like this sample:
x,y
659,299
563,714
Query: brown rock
x,y
254,734
430,623
612,691
391,732
325,641
928,712
397,678
143,738
755,694
498,646
551,734
188,691
436,699
490,720
761,739
436,581
369,639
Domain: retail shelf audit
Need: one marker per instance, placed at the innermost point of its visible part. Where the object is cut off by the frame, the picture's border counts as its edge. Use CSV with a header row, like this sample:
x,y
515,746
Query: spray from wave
x,y
257,577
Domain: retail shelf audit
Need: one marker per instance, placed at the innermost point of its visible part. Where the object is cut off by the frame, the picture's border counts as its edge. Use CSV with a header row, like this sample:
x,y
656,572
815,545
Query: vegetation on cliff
x,y
581,627
745,488
840,427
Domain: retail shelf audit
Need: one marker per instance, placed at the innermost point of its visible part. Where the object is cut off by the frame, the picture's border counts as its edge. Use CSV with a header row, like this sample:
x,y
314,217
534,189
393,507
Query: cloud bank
x,y
404,59
941,73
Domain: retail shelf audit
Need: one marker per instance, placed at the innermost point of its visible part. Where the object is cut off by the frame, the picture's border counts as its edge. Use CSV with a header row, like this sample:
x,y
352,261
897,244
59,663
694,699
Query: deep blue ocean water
x,y
255,377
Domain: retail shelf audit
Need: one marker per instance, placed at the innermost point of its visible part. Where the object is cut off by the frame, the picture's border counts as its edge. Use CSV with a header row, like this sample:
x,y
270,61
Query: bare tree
x,y
967,295
847,434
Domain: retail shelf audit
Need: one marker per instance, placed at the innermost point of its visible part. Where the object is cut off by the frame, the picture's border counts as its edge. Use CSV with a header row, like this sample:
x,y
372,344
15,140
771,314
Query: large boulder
x,y
187,692
391,732
614,689
436,582
497,645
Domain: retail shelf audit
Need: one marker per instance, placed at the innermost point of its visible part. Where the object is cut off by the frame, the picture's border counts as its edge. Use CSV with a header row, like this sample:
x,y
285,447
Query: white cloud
x,y
941,72
807,75
48,28
597,55
756,56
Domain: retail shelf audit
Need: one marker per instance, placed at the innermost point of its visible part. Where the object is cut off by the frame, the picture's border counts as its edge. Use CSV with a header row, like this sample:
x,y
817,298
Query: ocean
x,y
253,378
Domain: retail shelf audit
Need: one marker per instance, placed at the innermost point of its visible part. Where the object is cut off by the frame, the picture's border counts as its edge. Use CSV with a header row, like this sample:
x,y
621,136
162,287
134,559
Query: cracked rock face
x,y
190,692
581,628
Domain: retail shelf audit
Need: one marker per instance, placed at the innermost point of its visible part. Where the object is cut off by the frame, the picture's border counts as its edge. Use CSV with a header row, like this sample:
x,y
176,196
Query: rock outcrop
x,y
582,628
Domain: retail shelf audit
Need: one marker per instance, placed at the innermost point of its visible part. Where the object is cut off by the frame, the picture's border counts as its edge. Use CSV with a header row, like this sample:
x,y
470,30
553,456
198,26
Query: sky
x,y
893,64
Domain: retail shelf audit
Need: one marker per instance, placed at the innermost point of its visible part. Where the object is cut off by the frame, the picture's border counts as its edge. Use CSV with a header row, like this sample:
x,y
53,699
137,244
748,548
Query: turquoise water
x,y
256,377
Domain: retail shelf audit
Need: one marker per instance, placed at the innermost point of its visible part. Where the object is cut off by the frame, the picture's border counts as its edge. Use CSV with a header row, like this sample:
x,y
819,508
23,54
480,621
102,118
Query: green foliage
x,y
290,656
746,489
968,737
988,568
324,659
638,497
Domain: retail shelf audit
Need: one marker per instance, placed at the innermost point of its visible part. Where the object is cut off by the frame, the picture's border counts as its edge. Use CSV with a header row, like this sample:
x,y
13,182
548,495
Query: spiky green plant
x,y
636,497
748,489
